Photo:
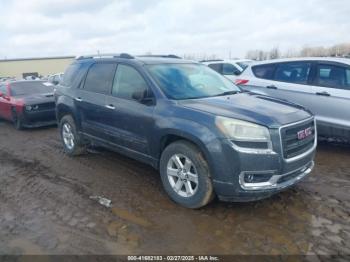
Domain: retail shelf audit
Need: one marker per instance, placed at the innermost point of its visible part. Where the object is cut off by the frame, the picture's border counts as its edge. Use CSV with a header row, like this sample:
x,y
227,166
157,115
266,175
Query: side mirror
x,y
142,96
138,95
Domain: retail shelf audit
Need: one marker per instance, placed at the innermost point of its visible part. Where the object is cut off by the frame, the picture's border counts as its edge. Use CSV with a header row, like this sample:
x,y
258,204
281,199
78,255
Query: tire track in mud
x,y
52,211
45,206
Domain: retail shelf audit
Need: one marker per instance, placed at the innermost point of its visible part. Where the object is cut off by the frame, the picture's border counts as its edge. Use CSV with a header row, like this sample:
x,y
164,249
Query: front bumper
x,y
233,166
277,181
32,119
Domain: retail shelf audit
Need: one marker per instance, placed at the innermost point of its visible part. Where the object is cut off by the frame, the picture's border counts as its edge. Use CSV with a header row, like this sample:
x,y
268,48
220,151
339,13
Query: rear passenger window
x,y
333,76
296,72
264,71
100,78
217,67
127,82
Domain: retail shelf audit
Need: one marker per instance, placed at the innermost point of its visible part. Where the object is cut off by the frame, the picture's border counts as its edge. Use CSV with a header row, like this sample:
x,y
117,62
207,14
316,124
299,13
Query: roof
x,y
148,60
161,60
330,59
37,58
229,61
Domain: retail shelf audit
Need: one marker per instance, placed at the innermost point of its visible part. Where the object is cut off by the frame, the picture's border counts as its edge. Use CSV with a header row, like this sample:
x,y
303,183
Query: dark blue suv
x,y
206,137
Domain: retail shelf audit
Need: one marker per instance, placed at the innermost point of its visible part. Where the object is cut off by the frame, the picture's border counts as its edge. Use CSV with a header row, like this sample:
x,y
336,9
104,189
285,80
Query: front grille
x,y
46,106
292,145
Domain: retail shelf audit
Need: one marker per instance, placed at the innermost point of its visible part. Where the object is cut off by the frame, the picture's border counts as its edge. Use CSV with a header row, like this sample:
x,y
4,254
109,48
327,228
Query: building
x,y
44,66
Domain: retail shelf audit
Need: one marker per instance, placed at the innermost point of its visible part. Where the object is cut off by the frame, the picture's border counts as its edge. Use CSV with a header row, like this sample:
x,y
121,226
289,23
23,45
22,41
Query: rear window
x,y
70,75
264,71
3,89
31,88
243,65
229,69
217,67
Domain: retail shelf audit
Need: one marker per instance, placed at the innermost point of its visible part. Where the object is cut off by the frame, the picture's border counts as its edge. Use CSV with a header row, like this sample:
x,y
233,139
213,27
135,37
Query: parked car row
x,y
321,85
229,68
206,136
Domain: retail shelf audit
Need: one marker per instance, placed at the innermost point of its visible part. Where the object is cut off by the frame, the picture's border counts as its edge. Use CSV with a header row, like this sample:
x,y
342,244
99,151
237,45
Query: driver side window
x,y
127,82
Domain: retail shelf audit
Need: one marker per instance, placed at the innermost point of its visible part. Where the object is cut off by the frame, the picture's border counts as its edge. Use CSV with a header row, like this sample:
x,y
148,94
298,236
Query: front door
x,y
131,121
332,95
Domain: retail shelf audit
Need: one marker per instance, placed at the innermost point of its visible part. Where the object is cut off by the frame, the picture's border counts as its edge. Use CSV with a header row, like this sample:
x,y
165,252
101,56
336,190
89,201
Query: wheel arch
x,y
174,136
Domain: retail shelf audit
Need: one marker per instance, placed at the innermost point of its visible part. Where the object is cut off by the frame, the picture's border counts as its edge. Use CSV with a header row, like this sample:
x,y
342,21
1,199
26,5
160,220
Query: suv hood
x,y
259,109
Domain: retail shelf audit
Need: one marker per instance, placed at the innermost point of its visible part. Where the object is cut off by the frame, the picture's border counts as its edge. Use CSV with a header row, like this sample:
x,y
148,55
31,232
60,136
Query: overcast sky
x,y
36,28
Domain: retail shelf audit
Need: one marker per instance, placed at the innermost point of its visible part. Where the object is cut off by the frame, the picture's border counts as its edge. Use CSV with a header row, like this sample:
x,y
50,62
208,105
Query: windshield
x,y
31,88
190,81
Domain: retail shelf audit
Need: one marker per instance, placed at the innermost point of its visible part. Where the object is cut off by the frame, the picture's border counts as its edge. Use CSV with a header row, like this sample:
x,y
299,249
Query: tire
x,y
72,142
201,193
17,122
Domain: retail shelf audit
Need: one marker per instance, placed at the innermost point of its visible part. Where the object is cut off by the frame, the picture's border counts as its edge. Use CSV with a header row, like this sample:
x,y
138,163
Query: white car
x,y
229,68
55,79
320,84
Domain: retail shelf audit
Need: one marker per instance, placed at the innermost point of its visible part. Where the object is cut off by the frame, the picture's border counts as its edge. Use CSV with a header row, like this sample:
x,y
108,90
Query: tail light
x,y
241,81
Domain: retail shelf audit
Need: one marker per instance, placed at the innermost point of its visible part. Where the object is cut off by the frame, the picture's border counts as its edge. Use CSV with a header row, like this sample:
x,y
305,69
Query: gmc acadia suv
x,y
205,136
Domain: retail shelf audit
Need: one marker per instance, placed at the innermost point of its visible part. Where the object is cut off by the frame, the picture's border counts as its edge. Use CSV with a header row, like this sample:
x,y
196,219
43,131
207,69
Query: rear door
x,y
332,94
5,105
130,120
91,101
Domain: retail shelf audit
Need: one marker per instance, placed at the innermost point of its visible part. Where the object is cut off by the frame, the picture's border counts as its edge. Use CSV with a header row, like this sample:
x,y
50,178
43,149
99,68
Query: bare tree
x,y
274,53
340,50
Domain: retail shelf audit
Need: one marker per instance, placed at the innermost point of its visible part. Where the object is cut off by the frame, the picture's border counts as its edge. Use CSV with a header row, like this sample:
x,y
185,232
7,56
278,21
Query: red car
x,y
27,103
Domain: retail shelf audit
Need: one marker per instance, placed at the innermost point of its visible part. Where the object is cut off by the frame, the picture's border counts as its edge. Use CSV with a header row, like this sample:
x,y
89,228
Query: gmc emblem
x,y
304,133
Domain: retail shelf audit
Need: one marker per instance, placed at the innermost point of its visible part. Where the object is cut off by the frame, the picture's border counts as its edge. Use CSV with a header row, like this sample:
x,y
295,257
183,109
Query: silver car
x,y
320,84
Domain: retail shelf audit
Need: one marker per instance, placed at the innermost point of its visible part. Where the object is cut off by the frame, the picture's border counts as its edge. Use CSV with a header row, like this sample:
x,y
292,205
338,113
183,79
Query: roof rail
x,y
211,60
121,55
162,56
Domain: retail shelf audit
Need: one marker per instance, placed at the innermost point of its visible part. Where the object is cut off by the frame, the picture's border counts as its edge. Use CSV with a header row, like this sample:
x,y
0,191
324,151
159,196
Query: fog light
x,y
249,178
257,178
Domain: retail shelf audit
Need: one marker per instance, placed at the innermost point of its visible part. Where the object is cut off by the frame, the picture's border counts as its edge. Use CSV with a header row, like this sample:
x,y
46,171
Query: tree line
x,y
340,50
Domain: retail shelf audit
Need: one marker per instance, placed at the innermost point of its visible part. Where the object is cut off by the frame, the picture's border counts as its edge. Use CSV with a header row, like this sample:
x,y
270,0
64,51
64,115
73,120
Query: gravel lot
x,y
45,206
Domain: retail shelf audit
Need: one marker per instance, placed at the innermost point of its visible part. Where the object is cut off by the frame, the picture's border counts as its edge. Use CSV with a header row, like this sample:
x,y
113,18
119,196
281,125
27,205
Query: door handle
x,y
112,107
323,94
79,99
272,87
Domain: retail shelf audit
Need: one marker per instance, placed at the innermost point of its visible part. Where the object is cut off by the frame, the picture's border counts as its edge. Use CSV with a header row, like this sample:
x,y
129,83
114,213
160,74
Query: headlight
x,y
241,130
32,107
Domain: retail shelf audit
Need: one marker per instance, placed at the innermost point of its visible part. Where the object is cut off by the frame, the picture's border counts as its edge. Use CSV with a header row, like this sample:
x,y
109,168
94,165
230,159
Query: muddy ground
x,y
45,207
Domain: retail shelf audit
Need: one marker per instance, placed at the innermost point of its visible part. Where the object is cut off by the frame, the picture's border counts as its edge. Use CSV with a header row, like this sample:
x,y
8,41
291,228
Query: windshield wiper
x,y
227,93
